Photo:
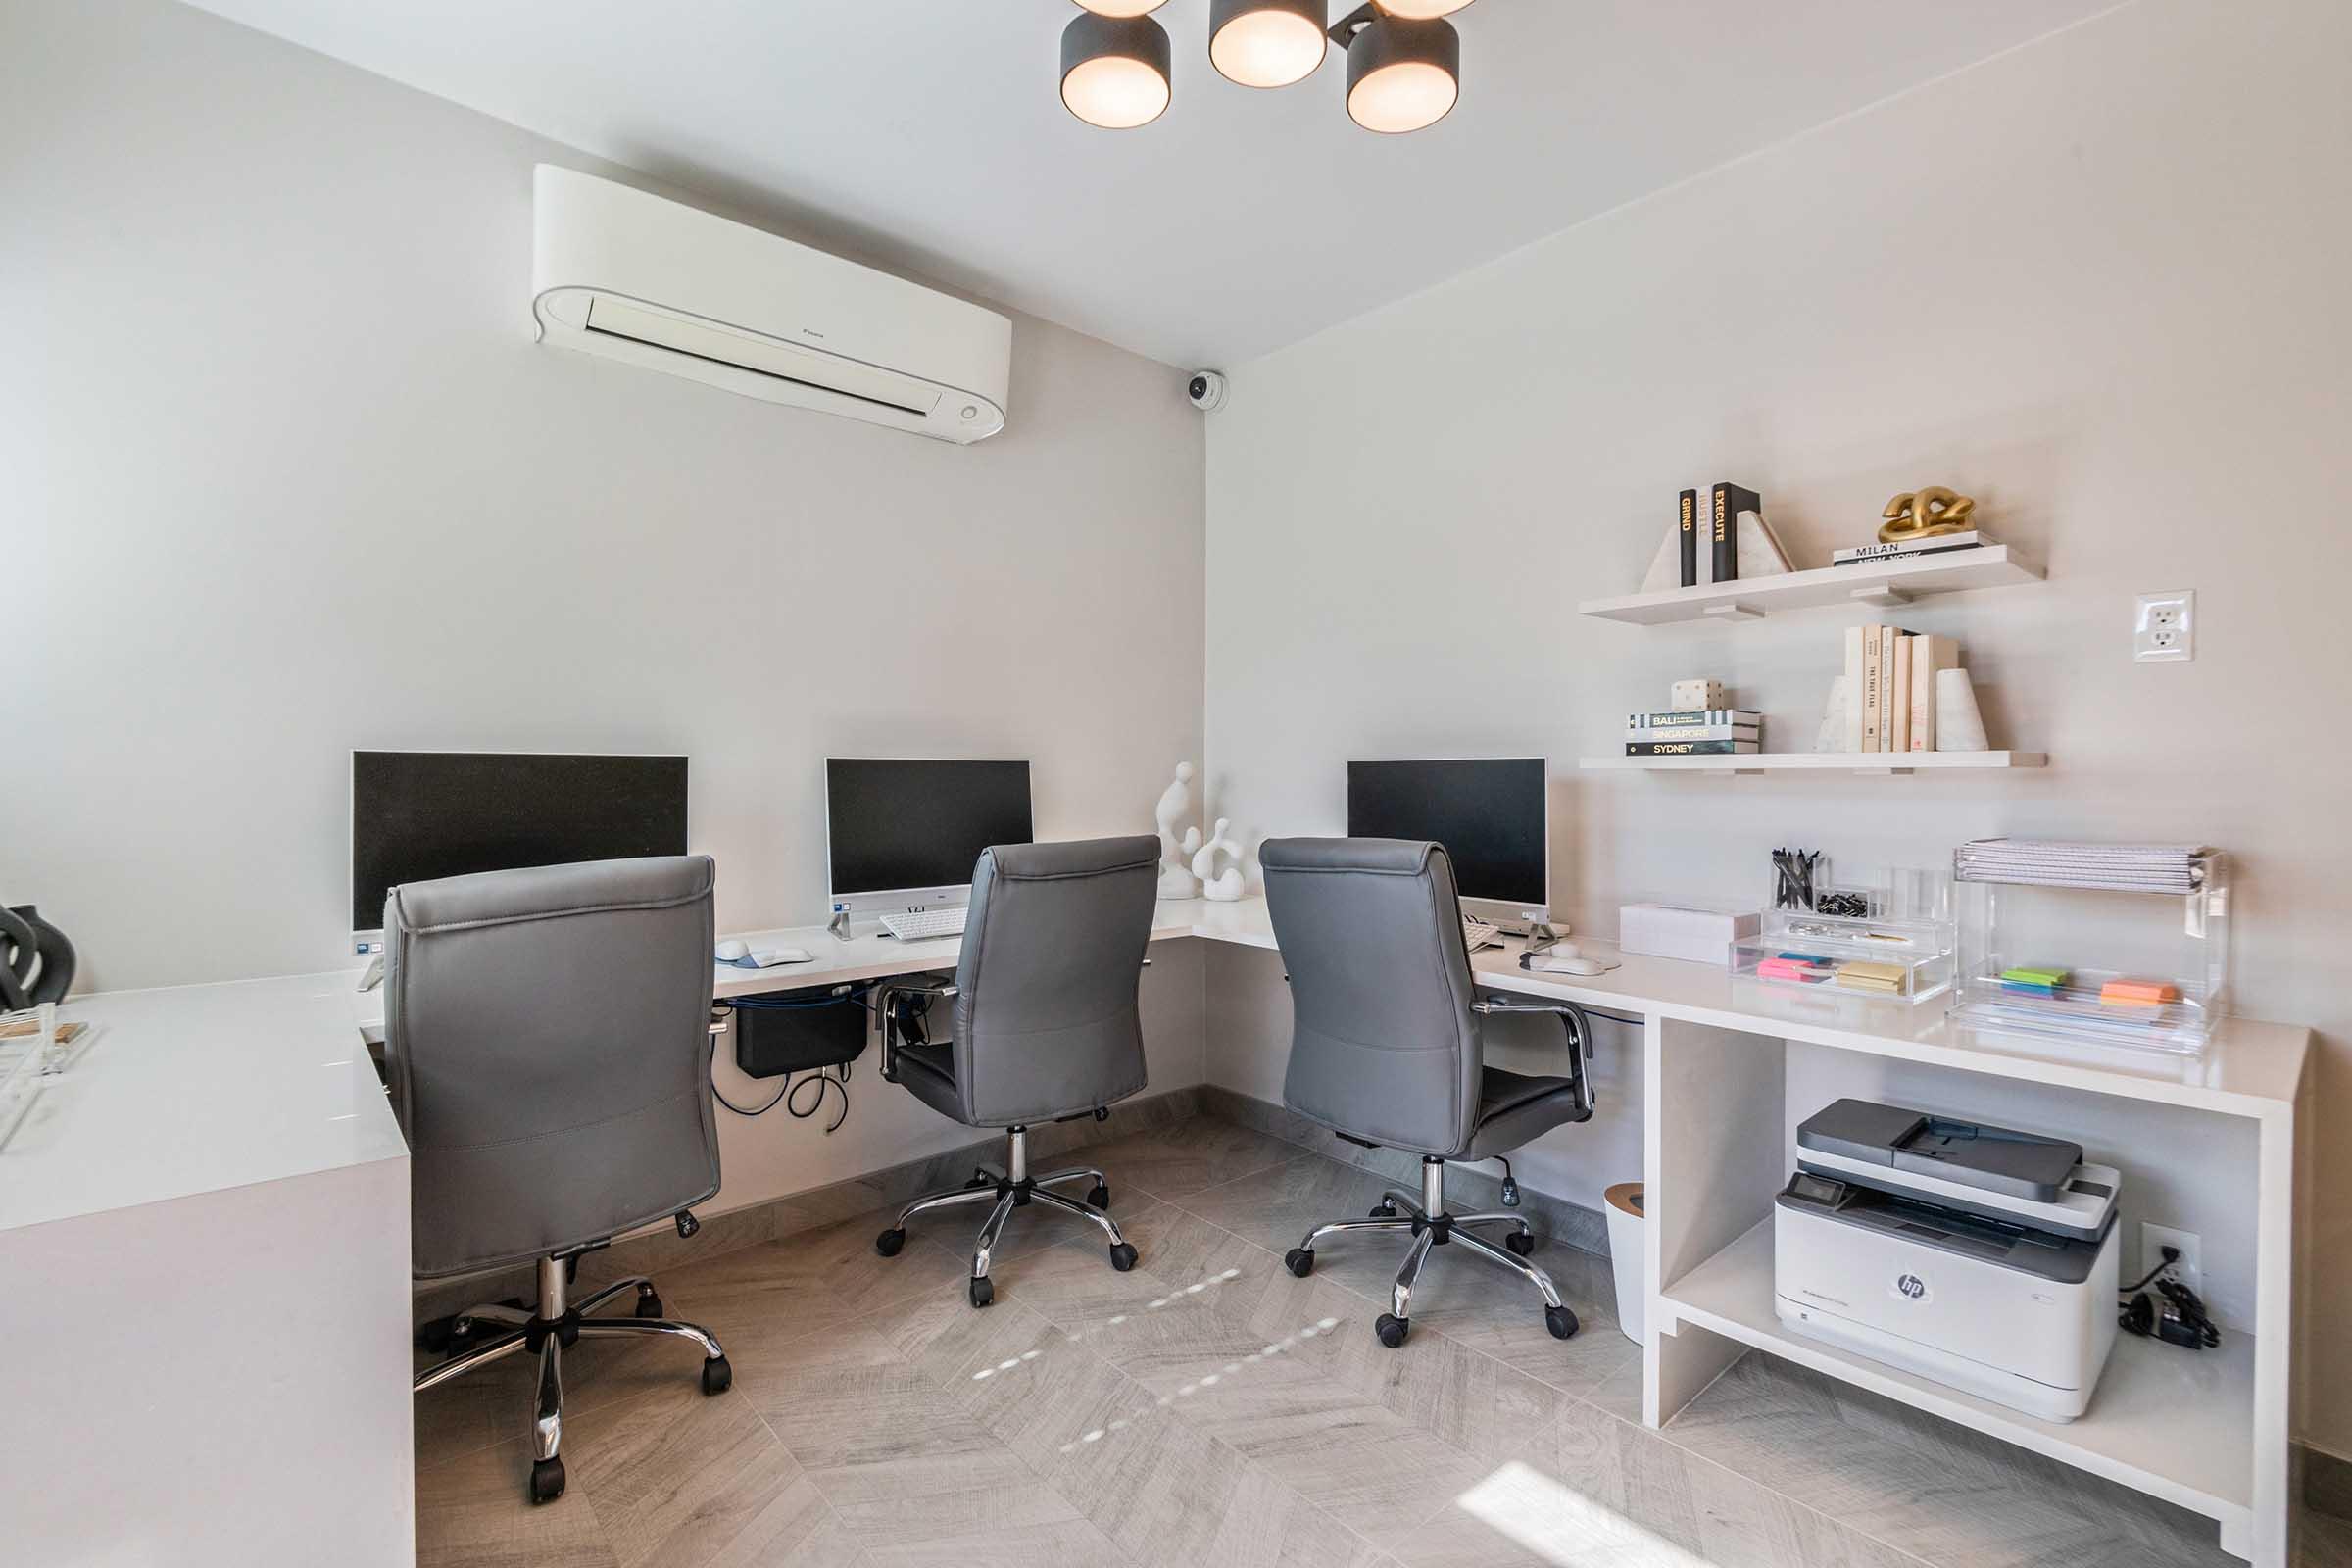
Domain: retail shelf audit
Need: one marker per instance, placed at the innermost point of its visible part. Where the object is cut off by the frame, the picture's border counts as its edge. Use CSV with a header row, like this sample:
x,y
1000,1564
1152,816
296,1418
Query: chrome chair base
x,y
552,1327
1432,1225
1007,1189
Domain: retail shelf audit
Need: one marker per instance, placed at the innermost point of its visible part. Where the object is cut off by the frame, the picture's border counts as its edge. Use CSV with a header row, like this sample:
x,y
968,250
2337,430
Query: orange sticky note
x,y
2139,993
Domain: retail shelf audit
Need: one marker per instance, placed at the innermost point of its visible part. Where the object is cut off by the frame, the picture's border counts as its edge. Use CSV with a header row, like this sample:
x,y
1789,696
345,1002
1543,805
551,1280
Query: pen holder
x,y
1901,960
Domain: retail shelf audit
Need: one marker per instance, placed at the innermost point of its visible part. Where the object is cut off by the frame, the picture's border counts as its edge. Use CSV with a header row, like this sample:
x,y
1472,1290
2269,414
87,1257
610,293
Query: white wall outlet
x,y
2190,1270
2164,631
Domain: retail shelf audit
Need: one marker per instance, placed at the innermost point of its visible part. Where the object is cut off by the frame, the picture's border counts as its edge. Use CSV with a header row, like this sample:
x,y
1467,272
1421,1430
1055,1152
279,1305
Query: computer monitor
x,y
1489,812
901,833
417,815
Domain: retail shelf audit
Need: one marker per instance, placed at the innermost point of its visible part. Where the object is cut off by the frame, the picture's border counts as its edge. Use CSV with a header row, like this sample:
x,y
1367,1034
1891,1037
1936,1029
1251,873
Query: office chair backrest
x,y
548,1036
1047,1014
1384,1045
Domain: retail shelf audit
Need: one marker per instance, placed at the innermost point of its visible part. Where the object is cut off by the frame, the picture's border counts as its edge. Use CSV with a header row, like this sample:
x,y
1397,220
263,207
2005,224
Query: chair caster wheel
x,y
1561,1322
1099,1198
547,1480
1384,1211
717,1375
983,1292
648,1304
1122,1257
890,1241
1392,1329
1300,1260
1520,1242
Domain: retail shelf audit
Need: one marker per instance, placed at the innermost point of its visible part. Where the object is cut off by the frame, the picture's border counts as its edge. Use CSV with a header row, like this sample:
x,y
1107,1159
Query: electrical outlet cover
x,y
2164,628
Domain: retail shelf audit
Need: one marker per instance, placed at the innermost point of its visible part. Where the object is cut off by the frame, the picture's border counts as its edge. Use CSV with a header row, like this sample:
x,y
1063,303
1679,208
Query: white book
x,y
1853,687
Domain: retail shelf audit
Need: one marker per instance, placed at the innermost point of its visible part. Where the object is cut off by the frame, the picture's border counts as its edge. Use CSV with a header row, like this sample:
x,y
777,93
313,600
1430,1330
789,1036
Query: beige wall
x,y
284,473
2099,282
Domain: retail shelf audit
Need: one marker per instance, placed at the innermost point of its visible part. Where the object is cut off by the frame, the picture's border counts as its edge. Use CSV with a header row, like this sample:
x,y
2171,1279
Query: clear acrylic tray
x,y
1914,959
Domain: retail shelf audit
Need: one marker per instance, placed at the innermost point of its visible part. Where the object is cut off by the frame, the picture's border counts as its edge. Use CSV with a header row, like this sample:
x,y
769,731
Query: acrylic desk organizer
x,y
2163,939
1901,947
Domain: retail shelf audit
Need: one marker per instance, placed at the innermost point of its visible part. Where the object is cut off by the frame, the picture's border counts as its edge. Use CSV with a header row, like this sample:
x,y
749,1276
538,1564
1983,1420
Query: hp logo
x,y
1910,1287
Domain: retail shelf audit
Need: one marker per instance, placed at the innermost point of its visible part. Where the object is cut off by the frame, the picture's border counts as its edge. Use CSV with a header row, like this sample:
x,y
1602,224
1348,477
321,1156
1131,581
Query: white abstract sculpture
x,y
1175,805
1225,887
1832,735
1959,724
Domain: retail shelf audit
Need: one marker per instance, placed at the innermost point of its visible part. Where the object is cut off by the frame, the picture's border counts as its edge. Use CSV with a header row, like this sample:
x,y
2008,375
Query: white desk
x,y
204,1290
2208,1431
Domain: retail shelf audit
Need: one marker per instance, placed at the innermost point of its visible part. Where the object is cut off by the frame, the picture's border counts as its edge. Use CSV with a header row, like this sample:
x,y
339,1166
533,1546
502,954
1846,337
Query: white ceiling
x,y
927,135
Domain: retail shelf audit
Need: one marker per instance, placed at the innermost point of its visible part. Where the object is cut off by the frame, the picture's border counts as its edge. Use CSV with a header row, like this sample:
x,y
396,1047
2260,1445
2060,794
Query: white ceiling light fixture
x,y
1402,75
1267,43
1422,10
1114,69
1129,8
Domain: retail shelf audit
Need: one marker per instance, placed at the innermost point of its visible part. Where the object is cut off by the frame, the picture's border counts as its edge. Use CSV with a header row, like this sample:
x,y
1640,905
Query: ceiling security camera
x,y
1207,389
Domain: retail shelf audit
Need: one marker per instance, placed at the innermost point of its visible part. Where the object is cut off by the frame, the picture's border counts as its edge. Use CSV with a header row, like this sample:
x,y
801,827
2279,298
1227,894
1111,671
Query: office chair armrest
x,y
929,988
1580,1038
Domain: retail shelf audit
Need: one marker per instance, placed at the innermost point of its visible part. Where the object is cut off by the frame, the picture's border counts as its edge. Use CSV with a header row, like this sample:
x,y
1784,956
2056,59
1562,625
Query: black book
x,y
1690,538
1730,499
1690,747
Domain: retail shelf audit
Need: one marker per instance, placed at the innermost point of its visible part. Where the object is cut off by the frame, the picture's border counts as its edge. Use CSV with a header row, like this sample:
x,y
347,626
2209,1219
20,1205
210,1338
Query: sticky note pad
x,y
2139,993
2024,990
1862,975
2044,978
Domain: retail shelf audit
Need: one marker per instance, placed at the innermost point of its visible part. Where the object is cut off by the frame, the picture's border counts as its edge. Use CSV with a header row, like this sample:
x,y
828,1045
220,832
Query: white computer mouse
x,y
732,948
1571,964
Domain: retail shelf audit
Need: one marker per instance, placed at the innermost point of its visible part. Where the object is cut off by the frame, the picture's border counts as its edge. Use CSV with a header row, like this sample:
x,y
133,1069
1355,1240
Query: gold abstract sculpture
x,y
1925,513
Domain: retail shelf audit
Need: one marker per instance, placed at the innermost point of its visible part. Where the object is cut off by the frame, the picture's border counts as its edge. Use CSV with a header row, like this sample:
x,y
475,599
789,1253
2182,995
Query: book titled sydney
x,y
1692,748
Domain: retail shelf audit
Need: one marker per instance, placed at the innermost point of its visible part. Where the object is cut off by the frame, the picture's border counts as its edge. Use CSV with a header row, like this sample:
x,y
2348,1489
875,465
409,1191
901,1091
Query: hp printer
x,y
1975,1255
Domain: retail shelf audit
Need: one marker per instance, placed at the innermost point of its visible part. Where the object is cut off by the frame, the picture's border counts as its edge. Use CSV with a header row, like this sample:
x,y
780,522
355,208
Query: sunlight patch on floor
x,y
1563,1526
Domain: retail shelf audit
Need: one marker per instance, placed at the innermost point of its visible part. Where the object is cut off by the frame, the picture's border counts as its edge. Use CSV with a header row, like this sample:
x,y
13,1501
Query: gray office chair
x,y
1047,1024
1386,1049
547,1036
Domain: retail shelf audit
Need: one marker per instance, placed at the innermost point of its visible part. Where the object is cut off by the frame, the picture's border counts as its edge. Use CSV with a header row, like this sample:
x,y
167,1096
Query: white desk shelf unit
x,y
1880,584
1820,762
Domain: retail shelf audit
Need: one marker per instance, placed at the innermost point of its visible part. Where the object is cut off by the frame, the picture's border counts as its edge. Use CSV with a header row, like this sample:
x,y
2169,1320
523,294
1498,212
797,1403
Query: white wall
x,y
285,475
2099,282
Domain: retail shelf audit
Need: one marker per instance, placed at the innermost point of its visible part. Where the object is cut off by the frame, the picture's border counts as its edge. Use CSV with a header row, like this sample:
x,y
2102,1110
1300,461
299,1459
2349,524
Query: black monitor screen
x,y
1488,813
417,815
893,823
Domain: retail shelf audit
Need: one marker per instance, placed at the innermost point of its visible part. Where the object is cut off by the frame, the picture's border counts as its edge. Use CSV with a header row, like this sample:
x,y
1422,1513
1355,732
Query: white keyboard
x,y
1478,934
928,923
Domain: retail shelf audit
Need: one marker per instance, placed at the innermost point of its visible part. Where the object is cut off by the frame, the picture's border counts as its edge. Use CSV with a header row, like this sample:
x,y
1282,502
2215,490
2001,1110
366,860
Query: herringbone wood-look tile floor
x,y
1208,1410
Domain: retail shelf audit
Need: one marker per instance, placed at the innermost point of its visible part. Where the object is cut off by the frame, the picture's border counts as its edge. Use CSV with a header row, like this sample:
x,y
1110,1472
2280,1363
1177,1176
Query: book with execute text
x,y
1722,521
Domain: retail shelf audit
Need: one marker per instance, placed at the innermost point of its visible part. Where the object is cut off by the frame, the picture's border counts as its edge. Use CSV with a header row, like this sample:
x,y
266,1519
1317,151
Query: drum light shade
x,y
1404,75
1135,8
1114,69
1417,10
1267,44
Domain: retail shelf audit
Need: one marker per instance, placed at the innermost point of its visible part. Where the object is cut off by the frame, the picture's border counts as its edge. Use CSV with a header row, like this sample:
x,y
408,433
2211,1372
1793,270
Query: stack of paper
x,y
2119,867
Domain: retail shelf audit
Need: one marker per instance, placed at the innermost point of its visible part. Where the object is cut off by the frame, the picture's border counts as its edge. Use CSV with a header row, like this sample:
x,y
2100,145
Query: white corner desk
x,y
217,1144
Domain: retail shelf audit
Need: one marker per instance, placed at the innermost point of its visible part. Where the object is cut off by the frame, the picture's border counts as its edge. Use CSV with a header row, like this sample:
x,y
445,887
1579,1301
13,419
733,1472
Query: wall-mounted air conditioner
x,y
654,284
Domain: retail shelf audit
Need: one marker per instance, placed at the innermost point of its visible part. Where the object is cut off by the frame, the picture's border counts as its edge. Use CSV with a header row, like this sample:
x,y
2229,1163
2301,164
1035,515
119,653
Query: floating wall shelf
x,y
1880,584
1820,762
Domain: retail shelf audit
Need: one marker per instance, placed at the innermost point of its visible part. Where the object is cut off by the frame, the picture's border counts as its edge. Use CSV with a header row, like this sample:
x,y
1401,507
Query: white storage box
x,y
1684,931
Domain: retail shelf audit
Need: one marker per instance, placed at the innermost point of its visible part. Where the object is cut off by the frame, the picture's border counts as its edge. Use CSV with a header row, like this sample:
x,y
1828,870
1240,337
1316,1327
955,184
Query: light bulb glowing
x,y
1267,44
